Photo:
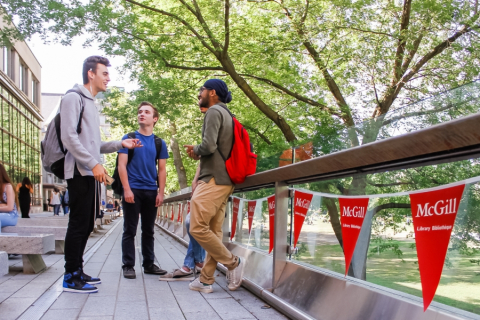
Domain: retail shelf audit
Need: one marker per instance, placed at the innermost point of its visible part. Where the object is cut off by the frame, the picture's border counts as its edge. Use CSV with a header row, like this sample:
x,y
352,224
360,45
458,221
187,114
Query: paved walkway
x,y
27,297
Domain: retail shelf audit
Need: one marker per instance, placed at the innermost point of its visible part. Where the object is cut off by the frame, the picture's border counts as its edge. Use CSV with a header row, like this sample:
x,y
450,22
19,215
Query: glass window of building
x,y
6,60
34,91
23,77
19,138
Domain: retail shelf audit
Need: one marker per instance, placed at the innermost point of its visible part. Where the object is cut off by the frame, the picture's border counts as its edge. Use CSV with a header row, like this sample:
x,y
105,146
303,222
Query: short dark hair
x,y
155,111
91,64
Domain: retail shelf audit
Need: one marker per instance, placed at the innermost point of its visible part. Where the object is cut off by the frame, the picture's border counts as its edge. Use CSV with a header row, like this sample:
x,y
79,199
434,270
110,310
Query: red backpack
x,y
241,161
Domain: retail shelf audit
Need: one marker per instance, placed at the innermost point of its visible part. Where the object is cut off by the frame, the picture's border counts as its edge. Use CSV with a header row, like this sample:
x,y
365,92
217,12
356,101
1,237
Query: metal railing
x,y
306,291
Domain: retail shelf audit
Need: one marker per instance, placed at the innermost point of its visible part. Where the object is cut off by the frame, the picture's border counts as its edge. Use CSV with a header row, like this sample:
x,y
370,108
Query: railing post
x,y
184,216
281,228
226,222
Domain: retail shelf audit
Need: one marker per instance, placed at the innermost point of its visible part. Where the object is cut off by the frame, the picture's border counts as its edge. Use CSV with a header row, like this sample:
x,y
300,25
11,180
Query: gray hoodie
x,y
84,148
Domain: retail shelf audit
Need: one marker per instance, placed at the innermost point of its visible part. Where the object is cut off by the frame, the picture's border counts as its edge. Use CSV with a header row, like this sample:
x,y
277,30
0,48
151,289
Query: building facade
x,y
20,116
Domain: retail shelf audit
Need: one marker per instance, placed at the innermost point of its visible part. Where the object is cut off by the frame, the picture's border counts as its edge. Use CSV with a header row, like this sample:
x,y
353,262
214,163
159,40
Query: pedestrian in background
x,y
8,201
193,262
24,190
55,201
65,200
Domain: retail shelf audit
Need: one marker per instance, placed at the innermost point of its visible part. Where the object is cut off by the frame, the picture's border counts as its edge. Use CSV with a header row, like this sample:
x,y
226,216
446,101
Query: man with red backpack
x,y
212,186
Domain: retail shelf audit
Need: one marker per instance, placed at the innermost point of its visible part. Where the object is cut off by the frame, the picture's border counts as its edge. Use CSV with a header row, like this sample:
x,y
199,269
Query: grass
x,y
459,285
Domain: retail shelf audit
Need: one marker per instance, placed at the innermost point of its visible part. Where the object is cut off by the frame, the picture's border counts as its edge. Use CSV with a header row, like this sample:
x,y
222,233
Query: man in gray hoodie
x,y
83,170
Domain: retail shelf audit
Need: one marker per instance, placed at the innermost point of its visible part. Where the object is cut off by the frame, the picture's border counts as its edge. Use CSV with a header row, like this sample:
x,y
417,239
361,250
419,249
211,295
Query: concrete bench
x,y
98,224
58,232
3,263
31,246
42,222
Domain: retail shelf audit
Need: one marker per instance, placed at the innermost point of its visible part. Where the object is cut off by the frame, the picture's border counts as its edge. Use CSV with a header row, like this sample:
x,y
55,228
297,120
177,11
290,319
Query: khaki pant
x,y
207,213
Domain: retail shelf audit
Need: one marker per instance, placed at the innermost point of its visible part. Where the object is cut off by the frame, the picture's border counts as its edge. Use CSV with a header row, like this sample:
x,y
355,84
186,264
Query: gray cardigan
x,y
217,133
83,148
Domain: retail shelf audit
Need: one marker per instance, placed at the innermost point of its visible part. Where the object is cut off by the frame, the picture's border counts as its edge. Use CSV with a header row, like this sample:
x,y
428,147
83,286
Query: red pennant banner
x,y
433,216
236,206
172,218
251,212
271,219
179,219
301,202
353,212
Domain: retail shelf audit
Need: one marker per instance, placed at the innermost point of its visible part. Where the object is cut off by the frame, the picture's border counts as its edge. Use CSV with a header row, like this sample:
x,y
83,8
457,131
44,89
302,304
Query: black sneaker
x,y
129,272
154,269
90,280
72,282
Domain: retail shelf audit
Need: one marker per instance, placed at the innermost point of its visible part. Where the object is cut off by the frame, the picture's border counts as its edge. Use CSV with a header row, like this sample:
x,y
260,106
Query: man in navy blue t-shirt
x,y
141,193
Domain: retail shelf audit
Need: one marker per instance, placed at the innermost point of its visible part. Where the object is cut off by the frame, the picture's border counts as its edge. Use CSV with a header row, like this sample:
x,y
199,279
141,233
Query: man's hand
x,y
190,152
128,196
159,200
99,173
131,143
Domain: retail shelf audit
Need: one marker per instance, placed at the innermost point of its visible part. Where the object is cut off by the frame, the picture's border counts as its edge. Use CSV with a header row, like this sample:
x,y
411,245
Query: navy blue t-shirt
x,y
142,170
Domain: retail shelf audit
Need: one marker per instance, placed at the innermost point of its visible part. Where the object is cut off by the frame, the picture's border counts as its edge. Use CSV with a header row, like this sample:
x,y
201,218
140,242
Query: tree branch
x,y
433,53
304,16
408,59
391,205
167,64
182,21
205,27
402,40
293,94
261,135
227,27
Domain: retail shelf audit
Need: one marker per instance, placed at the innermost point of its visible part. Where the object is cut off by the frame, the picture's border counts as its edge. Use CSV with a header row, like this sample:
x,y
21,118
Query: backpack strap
x,y
158,146
82,108
131,135
79,125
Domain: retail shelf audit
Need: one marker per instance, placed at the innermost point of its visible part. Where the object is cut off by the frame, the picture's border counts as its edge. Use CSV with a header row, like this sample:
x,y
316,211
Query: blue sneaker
x,y
90,280
73,282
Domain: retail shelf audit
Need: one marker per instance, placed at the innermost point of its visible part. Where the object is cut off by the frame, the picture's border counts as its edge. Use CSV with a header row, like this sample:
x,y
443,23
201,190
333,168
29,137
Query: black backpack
x,y
117,184
52,150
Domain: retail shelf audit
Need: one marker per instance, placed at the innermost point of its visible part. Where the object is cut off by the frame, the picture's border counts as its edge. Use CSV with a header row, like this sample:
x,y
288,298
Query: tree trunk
x,y
177,157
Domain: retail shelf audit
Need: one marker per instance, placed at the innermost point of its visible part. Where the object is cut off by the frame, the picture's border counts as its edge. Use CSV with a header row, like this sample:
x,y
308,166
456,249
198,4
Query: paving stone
x,y
229,309
200,315
136,293
98,306
218,293
97,318
193,303
12,286
68,300
166,313
4,295
156,285
12,308
61,314
131,310
161,299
